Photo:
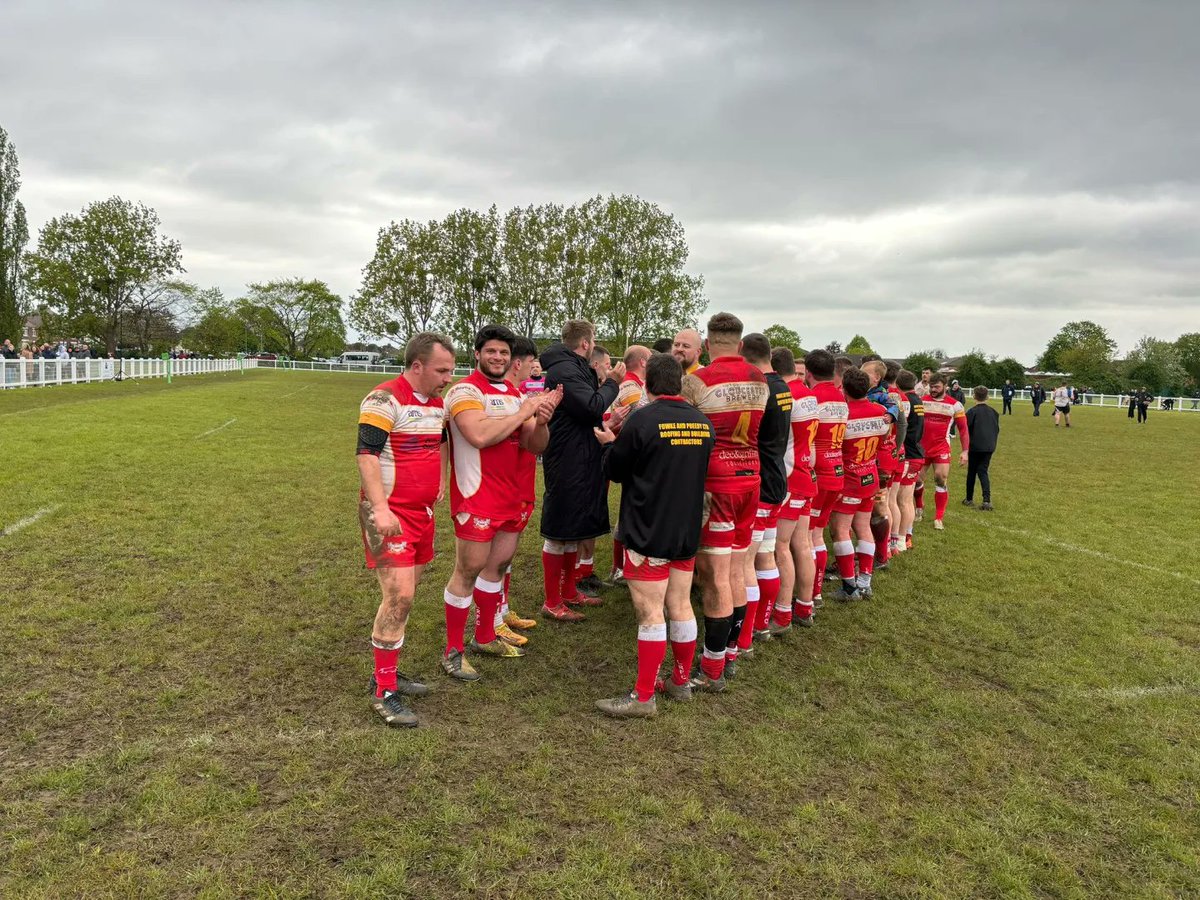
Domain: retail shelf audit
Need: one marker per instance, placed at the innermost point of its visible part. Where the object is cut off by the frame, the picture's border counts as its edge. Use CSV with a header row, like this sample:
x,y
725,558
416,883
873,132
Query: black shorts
x,y
1063,409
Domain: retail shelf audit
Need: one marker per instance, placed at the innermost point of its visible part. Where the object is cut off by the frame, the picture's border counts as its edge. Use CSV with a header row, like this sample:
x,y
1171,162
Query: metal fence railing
x,y
18,373
1115,401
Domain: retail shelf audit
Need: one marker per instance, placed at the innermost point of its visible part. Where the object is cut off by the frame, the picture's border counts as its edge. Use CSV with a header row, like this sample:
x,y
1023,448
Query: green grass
x,y
185,656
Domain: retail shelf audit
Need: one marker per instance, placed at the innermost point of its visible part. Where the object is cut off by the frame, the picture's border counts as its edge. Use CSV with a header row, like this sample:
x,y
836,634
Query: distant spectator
x,y
663,345
1038,396
983,428
7,350
1143,404
1007,393
1062,404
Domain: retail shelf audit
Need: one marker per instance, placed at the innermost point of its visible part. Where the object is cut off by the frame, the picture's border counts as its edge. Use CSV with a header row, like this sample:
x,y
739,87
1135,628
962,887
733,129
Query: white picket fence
x,y
352,368
18,373
1118,401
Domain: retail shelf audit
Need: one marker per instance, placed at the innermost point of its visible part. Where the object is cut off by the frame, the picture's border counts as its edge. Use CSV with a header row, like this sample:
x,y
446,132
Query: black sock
x,y
735,627
716,632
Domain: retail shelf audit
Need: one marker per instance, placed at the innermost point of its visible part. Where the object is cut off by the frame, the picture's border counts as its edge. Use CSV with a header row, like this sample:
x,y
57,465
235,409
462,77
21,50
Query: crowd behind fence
x,y
44,372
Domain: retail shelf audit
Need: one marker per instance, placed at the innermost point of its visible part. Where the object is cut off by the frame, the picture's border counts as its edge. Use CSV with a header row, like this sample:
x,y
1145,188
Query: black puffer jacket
x,y
575,505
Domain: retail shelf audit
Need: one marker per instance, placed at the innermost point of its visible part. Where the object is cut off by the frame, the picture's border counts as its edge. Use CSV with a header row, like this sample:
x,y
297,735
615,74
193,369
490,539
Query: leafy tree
x,y
89,268
782,336
974,369
14,235
398,293
218,330
296,317
859,345
1008,369
1156,364
923,359
834,347
1188,348
1079,348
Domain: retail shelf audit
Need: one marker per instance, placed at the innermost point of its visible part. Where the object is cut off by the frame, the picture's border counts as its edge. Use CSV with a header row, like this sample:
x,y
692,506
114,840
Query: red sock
x,y
802,609
919,497
618,555
487,600
843,552
683,649
782,617
745,637
457,610
652,650
570,560
866,561
385,669
822,557
552,574
584,569
940,498
768,593
712,666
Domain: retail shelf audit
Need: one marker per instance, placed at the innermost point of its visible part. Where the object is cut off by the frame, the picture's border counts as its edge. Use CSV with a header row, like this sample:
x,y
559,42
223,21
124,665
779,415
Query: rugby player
x,y
686,349
867,424
941,410
793,546
524,357
827,454
733,394
879,392
401,445
762,574
661,461
897,438
489,425
631,396
914,460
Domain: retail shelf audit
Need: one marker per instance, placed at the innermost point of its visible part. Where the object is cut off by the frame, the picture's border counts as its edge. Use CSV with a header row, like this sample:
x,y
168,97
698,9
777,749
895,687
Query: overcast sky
x,y
928,174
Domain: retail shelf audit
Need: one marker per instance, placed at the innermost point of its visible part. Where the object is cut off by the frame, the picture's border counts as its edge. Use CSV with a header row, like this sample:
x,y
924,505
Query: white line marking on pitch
x,y
215,430
1074,548
294,393
27,521
1136,693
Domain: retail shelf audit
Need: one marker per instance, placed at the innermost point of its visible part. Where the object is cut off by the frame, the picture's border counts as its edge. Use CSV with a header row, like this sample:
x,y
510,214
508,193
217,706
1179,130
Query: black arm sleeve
x,y
371,439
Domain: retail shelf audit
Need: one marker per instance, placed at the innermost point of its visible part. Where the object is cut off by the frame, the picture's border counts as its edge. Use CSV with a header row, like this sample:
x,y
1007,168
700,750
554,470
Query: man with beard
x,y
942,410
686,349
490,424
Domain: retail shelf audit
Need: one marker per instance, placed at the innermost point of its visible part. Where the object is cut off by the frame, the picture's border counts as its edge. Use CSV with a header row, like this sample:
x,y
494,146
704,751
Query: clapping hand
x,y
617,373
604,434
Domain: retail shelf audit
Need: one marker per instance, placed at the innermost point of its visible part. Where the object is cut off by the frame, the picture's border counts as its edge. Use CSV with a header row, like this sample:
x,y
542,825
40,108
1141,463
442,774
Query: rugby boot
x,y
680,693
409,687
509,636
497,647
776,630
513,619
458,667
582,599
702,682
628,706
590,585
987,506
562,613
393,710
938,525
847,592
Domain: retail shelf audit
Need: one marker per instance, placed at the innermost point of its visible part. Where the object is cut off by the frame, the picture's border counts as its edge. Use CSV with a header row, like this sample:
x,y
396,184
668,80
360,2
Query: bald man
x,y
686,349
631,396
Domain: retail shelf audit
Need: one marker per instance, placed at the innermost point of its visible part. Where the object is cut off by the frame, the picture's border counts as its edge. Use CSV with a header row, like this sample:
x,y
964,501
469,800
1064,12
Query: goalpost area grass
x,y
185,662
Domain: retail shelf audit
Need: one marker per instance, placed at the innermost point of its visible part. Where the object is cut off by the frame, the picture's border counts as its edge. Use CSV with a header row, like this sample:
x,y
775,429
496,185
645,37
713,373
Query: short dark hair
x,y
906,380
756,348
871,357
576,330
842,363
893,369
420,346
725,325
523,347
981,393
495,333
819,364
664,375
663,345
855,383
599,352
783,362
937,378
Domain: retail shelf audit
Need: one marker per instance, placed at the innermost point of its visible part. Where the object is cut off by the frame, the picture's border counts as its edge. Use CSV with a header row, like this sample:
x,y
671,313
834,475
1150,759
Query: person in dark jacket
x,y
1006,394
575,503
661,461
1143,404
1038,396
983,428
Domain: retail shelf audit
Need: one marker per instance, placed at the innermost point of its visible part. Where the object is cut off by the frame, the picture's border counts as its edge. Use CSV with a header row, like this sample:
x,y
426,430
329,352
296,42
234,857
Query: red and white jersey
x,y
867,424
732,394
411,459
485,483
888,447
831,426
938,416
798,458
526,461
632,392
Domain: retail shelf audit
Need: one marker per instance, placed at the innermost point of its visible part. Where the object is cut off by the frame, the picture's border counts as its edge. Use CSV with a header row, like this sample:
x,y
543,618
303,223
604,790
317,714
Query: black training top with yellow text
x,y
772,440
660,459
